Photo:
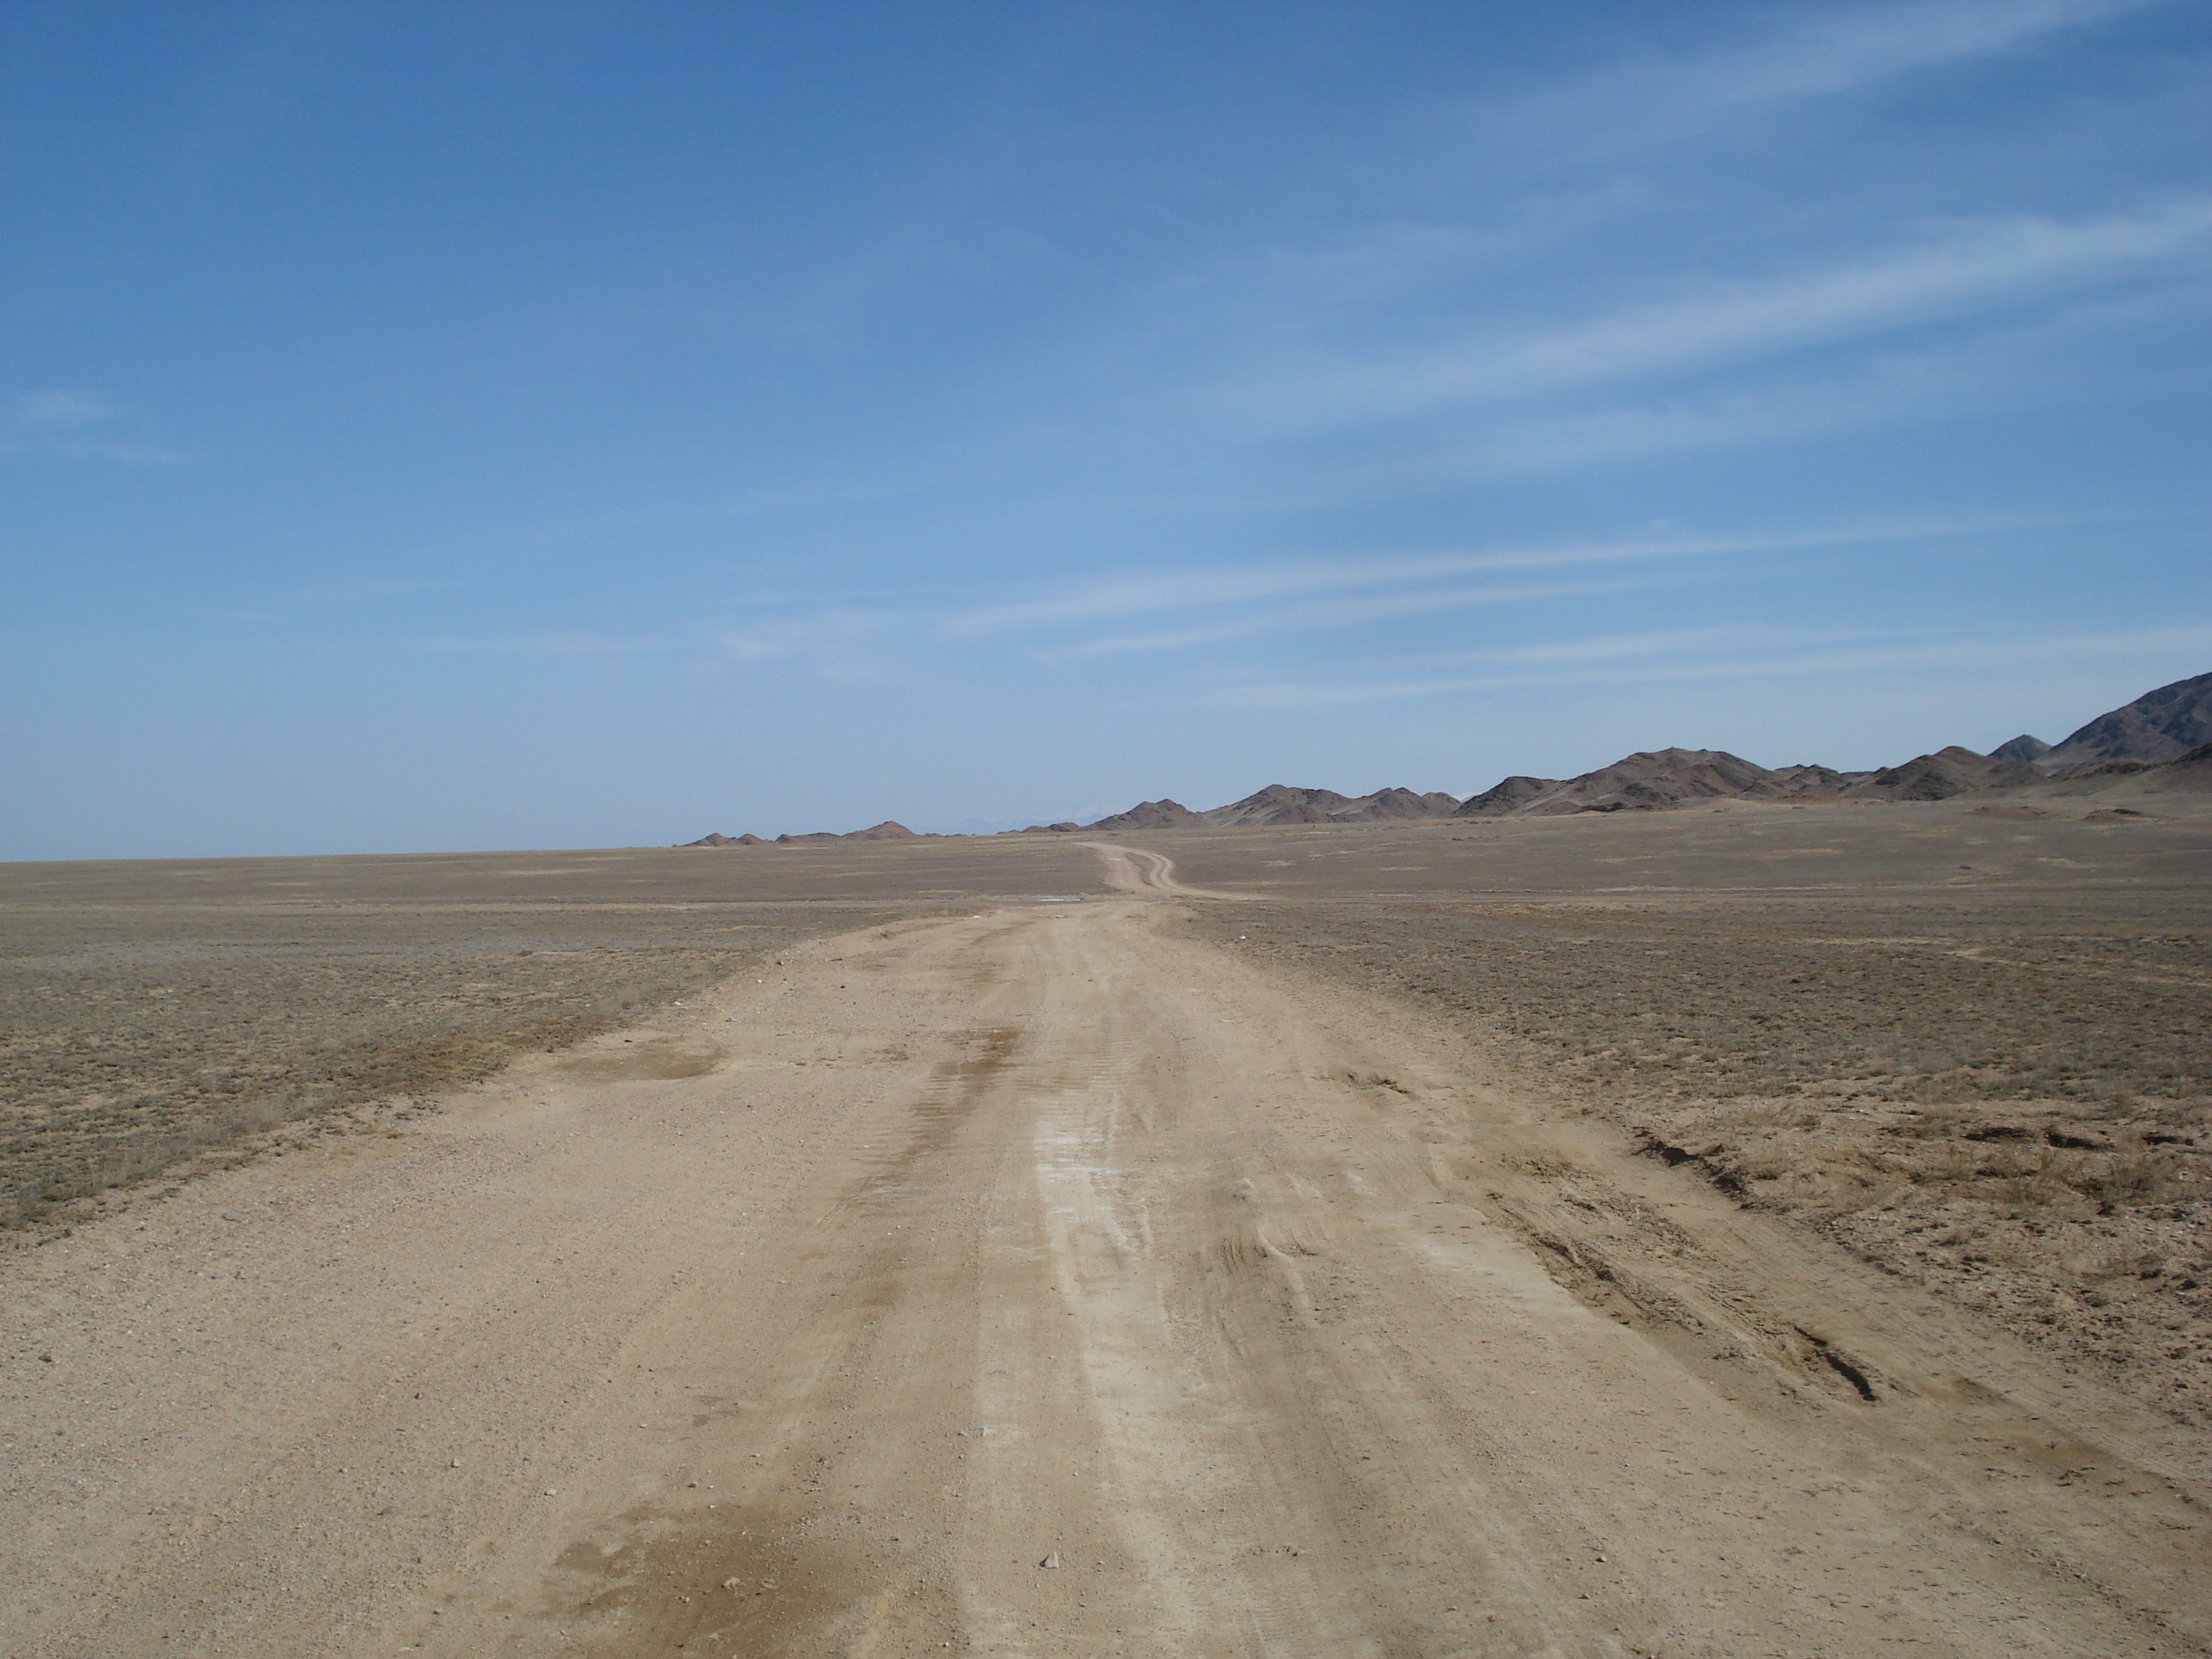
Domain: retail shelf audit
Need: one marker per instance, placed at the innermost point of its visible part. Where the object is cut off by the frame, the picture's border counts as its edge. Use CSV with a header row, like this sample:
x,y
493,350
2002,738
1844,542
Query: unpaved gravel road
x,y
1042,1282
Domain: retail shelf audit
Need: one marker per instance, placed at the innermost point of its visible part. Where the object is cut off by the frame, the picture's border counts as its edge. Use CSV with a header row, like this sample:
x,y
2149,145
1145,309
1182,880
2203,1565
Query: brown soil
x,y
1979,1054
1080,1278
162,1017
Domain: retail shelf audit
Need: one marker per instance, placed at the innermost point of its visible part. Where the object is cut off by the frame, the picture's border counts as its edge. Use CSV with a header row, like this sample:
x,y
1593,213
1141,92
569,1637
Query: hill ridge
x,y
2162,739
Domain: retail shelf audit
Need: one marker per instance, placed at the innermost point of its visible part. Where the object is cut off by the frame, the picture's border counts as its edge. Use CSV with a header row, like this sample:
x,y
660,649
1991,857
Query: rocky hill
x,y
1152,815
1653,779
1508,795
1947,772
1280,803
888,829
2188,774
1640,782
2162,741
2159,725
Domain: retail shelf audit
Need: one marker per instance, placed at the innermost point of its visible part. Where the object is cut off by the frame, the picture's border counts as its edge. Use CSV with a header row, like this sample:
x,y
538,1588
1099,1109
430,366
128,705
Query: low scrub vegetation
x,y
2011,1102
188,1039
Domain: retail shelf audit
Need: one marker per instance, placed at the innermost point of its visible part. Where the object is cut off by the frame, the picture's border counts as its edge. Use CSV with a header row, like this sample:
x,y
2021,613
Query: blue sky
x,y
449,426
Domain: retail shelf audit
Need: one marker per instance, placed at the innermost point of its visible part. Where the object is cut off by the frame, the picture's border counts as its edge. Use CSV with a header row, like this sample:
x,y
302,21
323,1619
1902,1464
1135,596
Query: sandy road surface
x,y
1042,1282
1133,870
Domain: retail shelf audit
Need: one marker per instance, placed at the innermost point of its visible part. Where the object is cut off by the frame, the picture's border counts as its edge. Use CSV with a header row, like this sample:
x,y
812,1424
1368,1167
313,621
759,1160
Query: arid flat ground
x,y
1155,1271
1973,1045
163,1016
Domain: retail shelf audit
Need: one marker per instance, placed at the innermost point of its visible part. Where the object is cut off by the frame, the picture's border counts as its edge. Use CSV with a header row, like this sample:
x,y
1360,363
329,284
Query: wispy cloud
x,y
552,645
365,590
1219,592
59,407
357,593
1188,608
70,424
1846,49
1341,613
1972,268
1153,594
1353,613
1563,251
1842,50
1700,642
838,644
1724,654
1829,50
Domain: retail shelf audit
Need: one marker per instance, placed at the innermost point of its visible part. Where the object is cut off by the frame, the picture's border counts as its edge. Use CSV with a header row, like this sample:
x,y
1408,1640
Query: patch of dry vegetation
x,y
160,1017
122,1059
2007,1096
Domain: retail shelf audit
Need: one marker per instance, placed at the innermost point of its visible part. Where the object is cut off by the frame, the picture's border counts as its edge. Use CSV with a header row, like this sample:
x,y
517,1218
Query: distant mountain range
x,y
1278,803
889,830
2160,743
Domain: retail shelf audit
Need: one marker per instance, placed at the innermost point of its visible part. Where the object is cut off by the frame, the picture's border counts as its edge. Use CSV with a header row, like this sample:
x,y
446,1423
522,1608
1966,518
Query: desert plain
x,y
1754,1229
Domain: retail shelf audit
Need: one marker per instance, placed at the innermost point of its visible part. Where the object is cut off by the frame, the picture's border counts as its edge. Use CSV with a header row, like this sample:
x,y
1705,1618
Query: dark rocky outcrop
x,y
1282,802
1152,815
2191,771
1647,780
2186,774
1404,804
2159,725
1507,795
2022,749
1947,772
1807,779
889,830
1278,803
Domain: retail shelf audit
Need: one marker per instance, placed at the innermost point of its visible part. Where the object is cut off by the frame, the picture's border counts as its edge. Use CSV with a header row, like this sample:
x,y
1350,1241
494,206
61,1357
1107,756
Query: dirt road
x,y
1042,1282
1134,870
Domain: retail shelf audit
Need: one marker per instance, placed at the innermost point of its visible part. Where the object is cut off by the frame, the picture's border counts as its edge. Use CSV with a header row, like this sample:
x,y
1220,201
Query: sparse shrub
x,y
2129,1178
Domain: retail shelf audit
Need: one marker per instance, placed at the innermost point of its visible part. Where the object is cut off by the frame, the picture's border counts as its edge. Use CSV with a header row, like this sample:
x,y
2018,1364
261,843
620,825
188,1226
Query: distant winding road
x,y
1133,870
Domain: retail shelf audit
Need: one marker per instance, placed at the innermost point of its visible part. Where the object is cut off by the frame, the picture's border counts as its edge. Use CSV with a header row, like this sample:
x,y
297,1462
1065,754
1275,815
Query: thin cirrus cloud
x,y
1729,655
1353,613
1976,268
1194,590
360,594
1200,607
844,644
1639,106
65,423
59,407
1839,50
2032,365
550,644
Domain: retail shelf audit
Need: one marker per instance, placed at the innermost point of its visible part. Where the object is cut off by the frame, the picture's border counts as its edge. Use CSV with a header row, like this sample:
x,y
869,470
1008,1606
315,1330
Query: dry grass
x,y
111,1071
157,1017
2004,1091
